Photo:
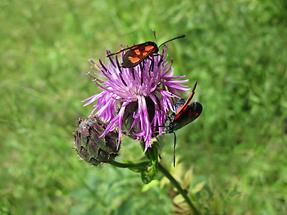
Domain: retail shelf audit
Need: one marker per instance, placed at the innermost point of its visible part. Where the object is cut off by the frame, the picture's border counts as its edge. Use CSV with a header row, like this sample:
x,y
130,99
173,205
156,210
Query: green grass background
x,y
237,50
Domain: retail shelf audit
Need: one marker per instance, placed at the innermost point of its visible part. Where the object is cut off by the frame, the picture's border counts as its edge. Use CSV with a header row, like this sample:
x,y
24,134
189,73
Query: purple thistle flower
x,y
136,101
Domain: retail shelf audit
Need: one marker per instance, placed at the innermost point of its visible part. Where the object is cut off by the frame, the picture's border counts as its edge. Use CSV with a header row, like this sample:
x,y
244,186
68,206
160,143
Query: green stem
x,y
179,188
130,165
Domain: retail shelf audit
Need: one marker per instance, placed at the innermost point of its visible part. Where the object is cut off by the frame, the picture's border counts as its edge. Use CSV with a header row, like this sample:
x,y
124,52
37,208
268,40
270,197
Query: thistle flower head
x,y
136,101
90,146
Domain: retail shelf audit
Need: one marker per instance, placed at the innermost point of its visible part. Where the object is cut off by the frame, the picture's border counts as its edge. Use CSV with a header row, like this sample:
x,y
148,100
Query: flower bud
x,y
90,146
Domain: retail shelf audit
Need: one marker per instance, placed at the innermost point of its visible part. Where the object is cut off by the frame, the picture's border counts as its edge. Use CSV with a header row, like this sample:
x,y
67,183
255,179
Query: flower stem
x,y
130,165
144,164
179,188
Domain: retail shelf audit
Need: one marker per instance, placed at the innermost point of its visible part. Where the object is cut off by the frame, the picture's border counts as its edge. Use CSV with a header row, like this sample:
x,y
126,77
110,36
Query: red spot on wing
x,y
148,48
134,59
137,51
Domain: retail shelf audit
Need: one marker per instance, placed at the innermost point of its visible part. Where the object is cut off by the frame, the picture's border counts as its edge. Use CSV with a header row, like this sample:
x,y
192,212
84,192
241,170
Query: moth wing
x,y
191,113
138,53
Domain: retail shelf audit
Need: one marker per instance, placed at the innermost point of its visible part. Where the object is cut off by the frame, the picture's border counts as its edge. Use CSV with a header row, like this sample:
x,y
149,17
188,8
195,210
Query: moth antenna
x,y
174,144
192,93
175,38
154,34
111,54
194,87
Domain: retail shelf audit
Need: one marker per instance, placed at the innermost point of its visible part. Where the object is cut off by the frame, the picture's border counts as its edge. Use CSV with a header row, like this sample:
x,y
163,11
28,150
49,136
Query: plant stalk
x,y
130,165
179,188
164,171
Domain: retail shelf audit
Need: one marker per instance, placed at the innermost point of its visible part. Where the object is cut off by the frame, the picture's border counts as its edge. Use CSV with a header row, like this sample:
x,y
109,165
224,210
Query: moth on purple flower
x,y
136,101
137,53
185,113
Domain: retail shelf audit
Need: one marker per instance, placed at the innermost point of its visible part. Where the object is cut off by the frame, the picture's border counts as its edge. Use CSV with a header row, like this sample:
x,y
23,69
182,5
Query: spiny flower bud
x,y
90,146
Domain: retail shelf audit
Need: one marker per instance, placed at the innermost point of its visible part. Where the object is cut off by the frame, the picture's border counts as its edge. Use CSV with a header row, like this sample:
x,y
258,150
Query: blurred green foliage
x,y
237,50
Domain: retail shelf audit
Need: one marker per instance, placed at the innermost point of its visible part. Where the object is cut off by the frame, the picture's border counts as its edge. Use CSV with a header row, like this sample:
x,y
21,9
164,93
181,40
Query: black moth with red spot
x,y
185,113
137,53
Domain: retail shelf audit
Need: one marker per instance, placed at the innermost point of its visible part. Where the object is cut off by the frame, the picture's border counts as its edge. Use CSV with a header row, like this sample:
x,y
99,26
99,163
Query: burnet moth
x,y
185,113
137,53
